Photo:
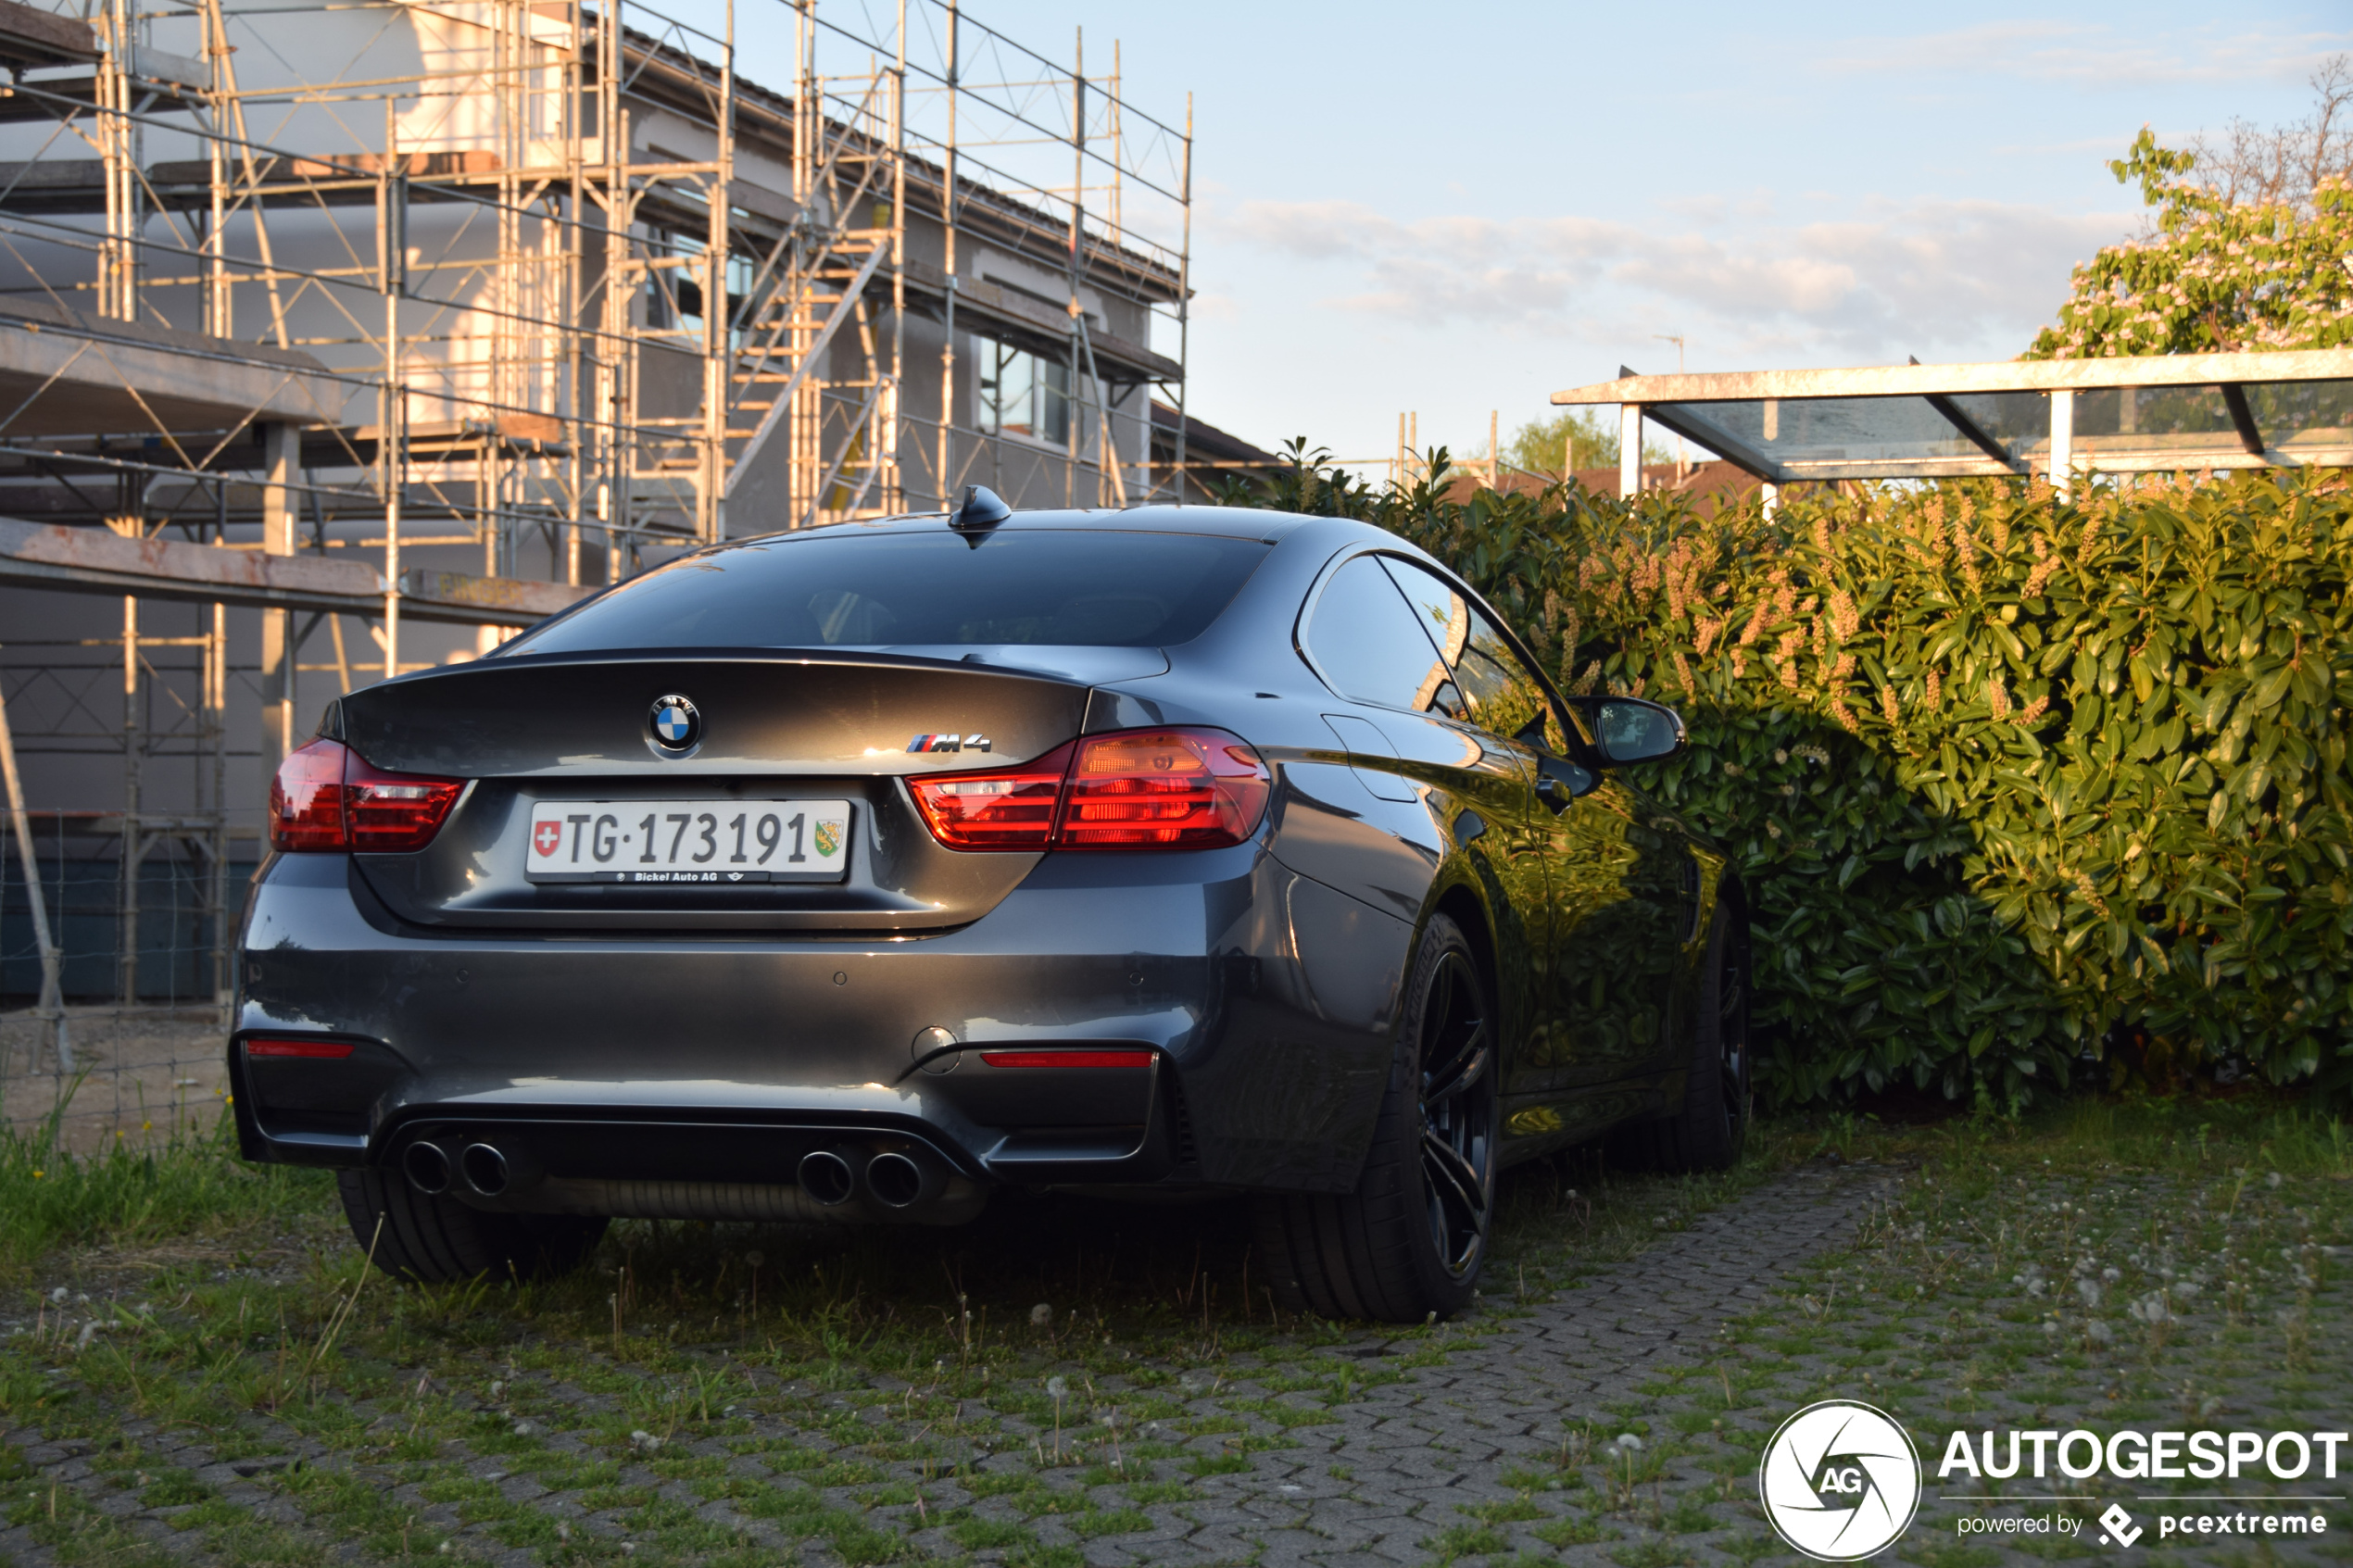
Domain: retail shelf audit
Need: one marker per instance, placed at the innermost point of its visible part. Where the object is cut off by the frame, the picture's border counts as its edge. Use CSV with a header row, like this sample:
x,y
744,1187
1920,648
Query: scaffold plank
x,y
92,560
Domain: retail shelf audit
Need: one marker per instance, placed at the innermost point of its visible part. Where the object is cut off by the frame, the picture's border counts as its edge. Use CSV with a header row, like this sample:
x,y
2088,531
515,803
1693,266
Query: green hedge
x,y
2012,779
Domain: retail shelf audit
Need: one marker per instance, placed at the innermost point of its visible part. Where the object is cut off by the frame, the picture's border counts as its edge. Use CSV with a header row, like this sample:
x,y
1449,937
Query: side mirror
x,y
1626,728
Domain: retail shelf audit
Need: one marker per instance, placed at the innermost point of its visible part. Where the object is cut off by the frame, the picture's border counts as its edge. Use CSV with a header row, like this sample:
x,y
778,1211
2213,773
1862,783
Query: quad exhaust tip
x,y
485,1169
826,1177
895,1180
427,1168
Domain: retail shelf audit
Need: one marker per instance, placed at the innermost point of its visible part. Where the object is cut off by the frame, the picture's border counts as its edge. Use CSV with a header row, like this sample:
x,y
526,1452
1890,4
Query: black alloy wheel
x,y
1458,1117
1406,1244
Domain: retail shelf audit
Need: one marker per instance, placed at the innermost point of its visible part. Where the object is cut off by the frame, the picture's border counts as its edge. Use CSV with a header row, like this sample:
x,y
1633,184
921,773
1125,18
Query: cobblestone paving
x,y
1615,1421
1363,1449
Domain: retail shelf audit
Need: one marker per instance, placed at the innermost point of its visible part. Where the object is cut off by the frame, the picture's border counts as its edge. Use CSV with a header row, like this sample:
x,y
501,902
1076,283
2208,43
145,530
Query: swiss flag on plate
x,y
547,837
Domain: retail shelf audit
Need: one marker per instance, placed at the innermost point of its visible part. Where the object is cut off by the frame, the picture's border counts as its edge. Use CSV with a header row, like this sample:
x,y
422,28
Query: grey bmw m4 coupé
x,y
851,873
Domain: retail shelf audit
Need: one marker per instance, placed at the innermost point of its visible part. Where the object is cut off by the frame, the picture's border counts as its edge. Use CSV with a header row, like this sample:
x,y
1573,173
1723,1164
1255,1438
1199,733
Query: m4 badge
x,y
949,743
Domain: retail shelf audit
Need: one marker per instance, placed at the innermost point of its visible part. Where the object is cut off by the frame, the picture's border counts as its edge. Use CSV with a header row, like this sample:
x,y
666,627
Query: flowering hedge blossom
x,y
2213,276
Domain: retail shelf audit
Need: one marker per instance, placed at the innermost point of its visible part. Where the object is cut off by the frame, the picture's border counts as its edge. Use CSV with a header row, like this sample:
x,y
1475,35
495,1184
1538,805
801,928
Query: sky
x,y
1454,208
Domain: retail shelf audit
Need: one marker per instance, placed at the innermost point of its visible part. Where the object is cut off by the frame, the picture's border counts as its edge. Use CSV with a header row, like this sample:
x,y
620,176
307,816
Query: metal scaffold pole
x,y
51,1008
474,304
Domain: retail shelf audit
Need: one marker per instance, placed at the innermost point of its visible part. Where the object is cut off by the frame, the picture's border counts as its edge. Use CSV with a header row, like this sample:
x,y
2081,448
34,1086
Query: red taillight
x,y
1154,789
394,811
306,799
328,796
324,1050
1132,789
1007,808
1067,1058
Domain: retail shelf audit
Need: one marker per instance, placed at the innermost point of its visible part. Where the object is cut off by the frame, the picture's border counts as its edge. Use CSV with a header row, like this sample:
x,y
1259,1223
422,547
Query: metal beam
x,y
1739,454
2009,375
2242,416
1958,419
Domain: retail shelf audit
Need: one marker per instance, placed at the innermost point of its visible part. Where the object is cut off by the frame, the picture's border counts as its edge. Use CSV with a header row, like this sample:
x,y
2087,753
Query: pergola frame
x,y
1693,406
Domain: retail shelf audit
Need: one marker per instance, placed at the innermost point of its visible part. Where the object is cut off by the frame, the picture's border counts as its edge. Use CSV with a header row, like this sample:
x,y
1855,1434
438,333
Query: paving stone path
x,y
1429,1450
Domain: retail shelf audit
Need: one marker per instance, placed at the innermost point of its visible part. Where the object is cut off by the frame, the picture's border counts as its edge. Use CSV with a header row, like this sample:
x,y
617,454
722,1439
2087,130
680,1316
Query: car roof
x,y
1233,522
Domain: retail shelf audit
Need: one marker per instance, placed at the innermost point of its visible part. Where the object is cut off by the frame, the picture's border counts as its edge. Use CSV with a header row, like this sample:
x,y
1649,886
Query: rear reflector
x,y
323,1050
1131,789
1067,1058
328,796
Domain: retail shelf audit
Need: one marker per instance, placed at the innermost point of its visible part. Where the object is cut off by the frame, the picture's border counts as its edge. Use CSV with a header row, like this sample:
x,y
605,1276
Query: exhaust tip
x,y
894,1179
825,1176
426,1167
485,1169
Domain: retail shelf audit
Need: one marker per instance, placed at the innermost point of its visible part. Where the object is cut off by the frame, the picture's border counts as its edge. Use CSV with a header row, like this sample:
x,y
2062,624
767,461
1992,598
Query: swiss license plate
x,y
682,843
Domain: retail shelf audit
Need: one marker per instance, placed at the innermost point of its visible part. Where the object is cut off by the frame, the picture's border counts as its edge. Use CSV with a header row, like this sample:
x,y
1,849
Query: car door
x,y
1512,848
1407,731
1606,956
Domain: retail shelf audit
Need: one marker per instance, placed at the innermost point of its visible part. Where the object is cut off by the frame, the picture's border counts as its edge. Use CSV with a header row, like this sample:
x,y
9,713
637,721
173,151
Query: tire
x,y
1407,1244
1711,1129
437,1240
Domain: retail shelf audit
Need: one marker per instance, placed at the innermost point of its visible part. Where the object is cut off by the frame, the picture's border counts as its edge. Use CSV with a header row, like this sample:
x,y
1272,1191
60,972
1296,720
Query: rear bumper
x,y
724,1060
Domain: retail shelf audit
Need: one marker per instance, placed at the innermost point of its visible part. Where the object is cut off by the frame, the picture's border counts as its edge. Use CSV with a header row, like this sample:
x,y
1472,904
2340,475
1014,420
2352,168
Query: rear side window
x,y
1097,587
1368,642
1500,695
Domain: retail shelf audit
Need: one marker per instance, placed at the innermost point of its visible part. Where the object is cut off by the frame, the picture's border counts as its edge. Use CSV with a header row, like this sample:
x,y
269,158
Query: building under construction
x,y
337,340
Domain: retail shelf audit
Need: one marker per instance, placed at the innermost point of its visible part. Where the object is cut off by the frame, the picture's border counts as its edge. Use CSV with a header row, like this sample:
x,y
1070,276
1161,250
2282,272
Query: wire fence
x,y
144,1040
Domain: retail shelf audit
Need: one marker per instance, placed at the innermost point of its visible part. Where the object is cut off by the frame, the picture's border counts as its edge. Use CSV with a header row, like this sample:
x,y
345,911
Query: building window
x,y
1022,393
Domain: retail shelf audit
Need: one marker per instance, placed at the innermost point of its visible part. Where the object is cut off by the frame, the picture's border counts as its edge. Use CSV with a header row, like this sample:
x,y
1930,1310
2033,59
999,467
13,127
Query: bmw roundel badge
x,y
676,726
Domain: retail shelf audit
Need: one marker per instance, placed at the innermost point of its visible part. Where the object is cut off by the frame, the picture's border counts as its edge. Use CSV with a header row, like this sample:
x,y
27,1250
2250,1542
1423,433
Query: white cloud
x,y
1885,279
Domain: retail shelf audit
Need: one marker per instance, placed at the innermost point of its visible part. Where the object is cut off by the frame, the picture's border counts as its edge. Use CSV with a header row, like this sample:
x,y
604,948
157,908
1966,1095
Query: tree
x,y
1540,446
2255,259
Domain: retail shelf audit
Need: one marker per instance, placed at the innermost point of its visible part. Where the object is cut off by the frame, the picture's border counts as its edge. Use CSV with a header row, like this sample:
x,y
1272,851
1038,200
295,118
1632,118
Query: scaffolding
x,y
344,323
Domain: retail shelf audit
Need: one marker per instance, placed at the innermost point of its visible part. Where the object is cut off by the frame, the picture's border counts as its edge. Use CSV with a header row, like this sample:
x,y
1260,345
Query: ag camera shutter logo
x,y
1840,1480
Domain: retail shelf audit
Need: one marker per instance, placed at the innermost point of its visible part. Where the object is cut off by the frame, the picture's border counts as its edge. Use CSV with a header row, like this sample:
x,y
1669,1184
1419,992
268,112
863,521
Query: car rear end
x,y
841,899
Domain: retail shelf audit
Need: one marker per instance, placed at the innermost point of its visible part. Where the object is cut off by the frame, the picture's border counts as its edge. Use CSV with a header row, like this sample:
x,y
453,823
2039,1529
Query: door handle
x,y
1554,794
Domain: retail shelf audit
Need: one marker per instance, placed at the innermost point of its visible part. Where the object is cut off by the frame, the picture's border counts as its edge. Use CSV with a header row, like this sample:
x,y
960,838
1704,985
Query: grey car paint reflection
x,y
1265,975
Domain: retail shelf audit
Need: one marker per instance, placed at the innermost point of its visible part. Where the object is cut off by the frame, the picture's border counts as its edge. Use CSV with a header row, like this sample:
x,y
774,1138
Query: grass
x,y
188,1186
898,1394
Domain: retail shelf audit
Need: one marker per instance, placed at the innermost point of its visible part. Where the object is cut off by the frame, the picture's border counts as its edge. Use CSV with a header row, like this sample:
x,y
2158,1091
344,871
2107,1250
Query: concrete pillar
x,y
1630,450
281,459
2062,439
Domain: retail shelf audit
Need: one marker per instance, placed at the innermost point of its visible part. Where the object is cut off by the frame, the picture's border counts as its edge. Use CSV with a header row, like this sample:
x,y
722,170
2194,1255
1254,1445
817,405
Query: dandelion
x,y
1629,1442
755,1259
1041,1316
1058,1387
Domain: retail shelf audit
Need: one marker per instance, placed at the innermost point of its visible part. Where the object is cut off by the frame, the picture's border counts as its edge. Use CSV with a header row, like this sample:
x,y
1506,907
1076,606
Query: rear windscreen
x,y
1097,588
